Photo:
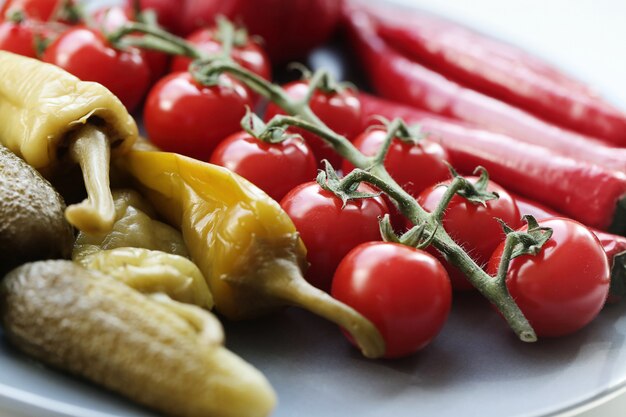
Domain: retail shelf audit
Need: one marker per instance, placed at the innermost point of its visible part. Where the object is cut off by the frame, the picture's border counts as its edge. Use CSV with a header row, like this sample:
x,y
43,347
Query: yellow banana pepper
x,y
243,242
44,109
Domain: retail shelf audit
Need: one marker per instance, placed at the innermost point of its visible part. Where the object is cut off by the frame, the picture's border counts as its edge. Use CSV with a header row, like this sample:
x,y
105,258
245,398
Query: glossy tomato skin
x,y
41,10
564,286
414,166
403,291
18,38
329,231
86,53
250,56
289,29
339,111
276,168
473,226
112,18
183,116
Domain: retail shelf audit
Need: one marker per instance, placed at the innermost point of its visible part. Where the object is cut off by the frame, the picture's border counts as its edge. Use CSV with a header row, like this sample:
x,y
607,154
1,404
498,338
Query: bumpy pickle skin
x,y
165,355
243,242
32,226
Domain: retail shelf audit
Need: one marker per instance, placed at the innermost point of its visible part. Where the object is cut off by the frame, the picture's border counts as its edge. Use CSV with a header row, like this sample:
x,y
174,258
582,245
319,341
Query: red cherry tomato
x,y
250,56
404,292
18,38
112,18
415,166
564,286
339,111
86,53
183,116
473,226
329,231
168,12
289,28
41,10
275,168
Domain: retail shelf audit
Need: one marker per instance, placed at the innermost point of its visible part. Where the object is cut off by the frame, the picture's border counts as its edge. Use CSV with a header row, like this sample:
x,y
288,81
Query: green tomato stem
x,y
177,44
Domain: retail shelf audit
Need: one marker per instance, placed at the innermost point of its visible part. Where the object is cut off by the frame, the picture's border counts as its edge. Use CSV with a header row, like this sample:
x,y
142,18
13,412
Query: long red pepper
x,y
614,245
585,192
504,72
397,77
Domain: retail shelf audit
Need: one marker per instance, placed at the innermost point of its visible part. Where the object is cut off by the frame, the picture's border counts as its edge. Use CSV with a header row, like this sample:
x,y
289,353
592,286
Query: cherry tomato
x,y
415,166
112,18
289,28
339,111
473,226
18,38
86,53
564,286
404,292
41,10
250,55
329,231
168,12
275,168
183,116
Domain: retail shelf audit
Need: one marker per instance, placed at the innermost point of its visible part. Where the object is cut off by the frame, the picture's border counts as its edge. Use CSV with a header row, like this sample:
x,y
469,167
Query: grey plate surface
x,y
476,367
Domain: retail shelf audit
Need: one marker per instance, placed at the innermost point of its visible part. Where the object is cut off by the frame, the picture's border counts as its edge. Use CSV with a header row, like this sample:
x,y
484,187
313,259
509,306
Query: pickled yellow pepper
x,y
243,242
45,110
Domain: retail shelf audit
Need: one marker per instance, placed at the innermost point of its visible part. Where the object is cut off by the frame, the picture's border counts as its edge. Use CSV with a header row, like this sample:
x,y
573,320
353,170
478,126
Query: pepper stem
x,y
288,285
90,149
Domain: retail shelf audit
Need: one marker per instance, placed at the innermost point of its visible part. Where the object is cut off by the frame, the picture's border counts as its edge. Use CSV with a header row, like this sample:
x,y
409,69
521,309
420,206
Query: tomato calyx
x,y
477,192
346,188
529,242
412,135
419,236
228,34
70,11
268,133
519,243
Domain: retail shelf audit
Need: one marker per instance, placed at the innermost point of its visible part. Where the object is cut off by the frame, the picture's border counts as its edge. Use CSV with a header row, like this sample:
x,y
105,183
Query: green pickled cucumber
x,y
32,220
161,353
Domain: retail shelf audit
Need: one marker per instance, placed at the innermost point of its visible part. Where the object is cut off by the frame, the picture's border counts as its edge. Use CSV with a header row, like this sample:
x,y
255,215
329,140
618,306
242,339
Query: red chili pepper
x,y
614,246
585,192
399,78
504,72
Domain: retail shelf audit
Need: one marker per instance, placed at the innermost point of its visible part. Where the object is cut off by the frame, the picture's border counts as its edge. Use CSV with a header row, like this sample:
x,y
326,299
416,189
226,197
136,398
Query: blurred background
x,y
583,37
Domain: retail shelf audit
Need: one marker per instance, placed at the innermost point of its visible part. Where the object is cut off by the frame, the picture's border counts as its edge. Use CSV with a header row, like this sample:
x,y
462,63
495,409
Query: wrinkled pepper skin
x,y
230,226
134,227
244,244
40,103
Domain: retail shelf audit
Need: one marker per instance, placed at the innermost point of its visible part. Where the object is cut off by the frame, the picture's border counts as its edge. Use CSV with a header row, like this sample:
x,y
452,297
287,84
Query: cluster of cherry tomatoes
x,y
406,292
